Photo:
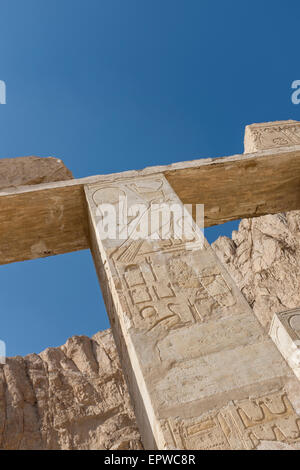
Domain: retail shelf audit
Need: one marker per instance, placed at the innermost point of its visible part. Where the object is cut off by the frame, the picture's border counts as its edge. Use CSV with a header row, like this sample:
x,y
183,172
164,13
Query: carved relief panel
x,y
187,334
163,282
265,136
249,424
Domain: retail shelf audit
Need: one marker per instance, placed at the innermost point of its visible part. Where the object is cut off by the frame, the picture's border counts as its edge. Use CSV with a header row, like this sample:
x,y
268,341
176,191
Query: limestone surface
x,y
23,171
263,258
70,397
271,135
202,373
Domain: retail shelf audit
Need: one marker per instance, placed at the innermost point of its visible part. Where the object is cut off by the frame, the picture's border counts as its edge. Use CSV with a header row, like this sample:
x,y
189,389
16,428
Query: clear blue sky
x,y
112,85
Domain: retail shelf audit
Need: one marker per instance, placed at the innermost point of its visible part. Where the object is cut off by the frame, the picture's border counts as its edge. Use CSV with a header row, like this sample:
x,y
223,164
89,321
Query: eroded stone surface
x,y
71,397
31,170
263,259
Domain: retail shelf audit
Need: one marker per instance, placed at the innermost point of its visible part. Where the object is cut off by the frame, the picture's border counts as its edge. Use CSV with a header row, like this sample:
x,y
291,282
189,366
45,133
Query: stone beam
x,y
50,218
201,371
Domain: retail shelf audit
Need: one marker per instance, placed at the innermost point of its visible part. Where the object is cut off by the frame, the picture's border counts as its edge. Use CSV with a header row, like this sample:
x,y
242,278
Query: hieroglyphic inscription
x,y
240,425
160,287
153,301
169,299
271,135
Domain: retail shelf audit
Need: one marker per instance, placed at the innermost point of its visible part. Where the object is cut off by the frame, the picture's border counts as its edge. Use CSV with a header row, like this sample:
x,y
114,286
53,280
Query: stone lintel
x,y
50,218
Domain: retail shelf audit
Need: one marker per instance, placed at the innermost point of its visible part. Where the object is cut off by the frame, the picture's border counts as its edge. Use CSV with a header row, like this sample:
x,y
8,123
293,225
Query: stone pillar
x,y
201,372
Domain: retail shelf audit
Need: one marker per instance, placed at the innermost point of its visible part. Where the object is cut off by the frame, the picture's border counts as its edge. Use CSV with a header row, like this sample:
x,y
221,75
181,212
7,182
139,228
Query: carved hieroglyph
x,y
200,369
246,424
271,135
285,332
